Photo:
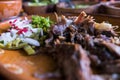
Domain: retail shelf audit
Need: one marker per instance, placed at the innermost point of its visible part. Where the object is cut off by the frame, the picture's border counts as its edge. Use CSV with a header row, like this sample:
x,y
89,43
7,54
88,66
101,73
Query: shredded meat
x,y
72,61
84,49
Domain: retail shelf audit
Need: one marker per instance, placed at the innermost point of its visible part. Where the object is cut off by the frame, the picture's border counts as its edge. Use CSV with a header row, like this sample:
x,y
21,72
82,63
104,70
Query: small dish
x,y
32,9
112,8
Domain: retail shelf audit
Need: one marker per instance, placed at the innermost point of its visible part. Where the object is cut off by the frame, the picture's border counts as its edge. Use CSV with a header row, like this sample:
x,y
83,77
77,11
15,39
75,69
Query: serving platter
x,y
29,64
35,63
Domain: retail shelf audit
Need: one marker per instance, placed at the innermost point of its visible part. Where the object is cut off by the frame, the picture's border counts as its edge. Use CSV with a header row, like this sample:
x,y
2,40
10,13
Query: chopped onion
x,y
21,28
31,41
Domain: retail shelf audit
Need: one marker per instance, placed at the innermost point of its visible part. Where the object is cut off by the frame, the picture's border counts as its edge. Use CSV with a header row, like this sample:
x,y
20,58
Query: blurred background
x,y
17,8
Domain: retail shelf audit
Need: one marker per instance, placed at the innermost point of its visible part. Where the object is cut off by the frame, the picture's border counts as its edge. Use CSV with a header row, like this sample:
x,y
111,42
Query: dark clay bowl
x,y
61,7
113,8
36,10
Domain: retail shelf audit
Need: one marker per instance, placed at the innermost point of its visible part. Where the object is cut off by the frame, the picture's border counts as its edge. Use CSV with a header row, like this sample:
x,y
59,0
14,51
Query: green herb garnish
x,y
41,22
45,1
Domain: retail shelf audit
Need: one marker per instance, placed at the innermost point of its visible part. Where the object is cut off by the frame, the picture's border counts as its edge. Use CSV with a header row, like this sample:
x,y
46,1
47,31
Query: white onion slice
x,y
31,41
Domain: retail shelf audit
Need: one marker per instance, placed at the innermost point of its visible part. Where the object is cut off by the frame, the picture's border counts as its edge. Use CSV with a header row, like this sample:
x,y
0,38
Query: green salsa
x,y
42,2
82,6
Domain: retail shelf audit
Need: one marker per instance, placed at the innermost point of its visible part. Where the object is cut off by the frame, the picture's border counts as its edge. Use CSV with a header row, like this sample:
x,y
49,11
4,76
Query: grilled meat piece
x,y
114,49
72,60
95,47
110,67
100,41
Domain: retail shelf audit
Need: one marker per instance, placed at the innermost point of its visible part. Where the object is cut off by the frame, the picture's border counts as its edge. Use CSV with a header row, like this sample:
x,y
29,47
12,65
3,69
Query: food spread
x,y
82,48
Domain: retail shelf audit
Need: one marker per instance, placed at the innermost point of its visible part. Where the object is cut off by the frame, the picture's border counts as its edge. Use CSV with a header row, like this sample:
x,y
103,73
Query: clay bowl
x,y
37,9
89,7
113,8
10,8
